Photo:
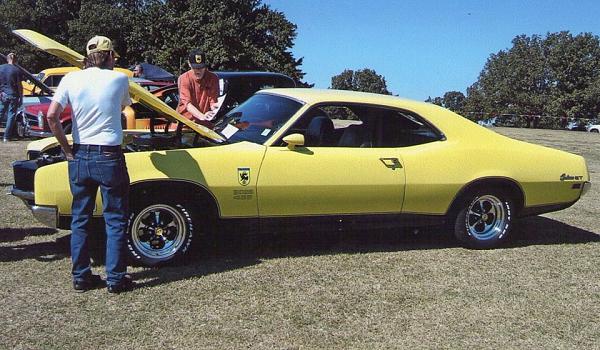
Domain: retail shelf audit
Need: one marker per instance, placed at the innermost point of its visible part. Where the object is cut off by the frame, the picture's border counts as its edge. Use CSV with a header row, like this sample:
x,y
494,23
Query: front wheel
x,y
484,219
160,232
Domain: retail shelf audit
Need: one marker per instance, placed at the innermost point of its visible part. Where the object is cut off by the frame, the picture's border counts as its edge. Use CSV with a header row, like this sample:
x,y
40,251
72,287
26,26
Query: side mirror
x,y
294,140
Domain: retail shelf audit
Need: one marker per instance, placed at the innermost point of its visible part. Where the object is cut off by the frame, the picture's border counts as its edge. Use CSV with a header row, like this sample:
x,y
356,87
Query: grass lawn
x,y
356,290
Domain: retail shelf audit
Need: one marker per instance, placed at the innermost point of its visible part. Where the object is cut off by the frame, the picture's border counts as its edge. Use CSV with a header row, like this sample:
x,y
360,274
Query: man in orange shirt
x,y
198,90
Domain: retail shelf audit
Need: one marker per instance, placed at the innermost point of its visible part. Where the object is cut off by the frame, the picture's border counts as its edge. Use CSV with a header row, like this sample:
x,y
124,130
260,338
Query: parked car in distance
x,y
593,128
488,123
576,125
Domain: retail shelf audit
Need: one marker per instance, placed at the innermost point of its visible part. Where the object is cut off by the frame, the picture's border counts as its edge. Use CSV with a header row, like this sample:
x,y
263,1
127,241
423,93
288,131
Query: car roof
x,y
312,96
237,74
448,122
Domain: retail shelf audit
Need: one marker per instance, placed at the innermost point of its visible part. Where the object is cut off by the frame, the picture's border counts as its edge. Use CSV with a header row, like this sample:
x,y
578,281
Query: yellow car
x,y
52,76
286,158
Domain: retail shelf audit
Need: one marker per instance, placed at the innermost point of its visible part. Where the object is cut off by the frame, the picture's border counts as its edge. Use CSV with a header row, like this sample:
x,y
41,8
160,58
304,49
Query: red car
x,y
36,124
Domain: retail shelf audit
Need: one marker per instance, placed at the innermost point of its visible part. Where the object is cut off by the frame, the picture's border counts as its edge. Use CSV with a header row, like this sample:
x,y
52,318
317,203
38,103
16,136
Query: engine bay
x,y
133,141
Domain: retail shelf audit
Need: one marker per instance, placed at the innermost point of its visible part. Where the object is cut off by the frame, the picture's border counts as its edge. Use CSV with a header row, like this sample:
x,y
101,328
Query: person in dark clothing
x,y
138,71
11,93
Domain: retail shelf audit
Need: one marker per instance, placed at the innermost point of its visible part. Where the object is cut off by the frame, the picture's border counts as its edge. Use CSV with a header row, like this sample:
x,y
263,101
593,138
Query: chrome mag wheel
x,y
159,232
487,217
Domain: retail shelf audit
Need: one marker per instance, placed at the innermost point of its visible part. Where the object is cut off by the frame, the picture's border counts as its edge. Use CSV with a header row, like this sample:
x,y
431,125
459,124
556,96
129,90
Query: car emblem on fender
x,y
244,176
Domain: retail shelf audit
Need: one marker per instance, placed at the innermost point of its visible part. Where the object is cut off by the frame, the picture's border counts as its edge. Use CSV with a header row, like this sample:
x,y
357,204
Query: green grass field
x,y
355,290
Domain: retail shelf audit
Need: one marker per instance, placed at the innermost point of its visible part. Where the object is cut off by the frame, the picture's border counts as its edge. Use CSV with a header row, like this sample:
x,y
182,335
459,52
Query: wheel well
x,y
176,189
507,185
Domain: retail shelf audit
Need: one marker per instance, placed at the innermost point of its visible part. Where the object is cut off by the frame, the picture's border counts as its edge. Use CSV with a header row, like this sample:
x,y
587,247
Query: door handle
x,y
392,163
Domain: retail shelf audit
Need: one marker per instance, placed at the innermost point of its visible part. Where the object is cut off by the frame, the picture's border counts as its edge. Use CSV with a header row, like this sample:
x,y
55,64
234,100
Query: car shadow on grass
x,y
233,251
539,230
41,251
17,234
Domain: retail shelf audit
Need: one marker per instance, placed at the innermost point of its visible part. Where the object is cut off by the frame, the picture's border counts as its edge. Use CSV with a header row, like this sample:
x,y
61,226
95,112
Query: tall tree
x,y
366,80
50,17
235,34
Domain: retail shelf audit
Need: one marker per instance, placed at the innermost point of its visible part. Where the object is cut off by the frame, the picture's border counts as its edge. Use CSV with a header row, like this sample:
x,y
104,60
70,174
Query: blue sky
x,y
423,48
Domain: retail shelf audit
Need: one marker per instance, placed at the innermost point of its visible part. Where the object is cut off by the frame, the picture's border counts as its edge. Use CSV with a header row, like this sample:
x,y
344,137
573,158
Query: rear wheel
x,y
161,232
595,130
484,219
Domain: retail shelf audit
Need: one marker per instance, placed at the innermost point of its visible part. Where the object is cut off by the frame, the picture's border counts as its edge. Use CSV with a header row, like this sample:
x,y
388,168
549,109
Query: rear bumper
x,y
586,187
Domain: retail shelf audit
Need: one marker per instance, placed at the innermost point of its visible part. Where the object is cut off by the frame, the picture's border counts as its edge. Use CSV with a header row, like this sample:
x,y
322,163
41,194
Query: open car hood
x,y
137,92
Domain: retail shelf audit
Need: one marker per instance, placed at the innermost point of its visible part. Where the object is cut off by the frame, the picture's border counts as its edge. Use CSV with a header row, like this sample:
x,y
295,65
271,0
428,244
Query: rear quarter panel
x,y
436,172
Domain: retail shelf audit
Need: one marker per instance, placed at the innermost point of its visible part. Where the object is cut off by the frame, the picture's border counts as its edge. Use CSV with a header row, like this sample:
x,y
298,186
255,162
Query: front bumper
x,y
44,214
37,133
26,196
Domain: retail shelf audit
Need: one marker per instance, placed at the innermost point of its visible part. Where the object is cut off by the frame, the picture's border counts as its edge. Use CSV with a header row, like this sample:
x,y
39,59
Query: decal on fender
x,y
567,177
244,176
243,195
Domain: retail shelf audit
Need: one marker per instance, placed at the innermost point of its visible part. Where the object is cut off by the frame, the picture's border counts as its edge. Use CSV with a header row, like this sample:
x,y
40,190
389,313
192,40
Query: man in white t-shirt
x,y
97,95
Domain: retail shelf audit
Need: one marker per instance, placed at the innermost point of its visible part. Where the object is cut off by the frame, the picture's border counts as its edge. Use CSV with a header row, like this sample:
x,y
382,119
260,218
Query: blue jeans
x,y
104,167
9,105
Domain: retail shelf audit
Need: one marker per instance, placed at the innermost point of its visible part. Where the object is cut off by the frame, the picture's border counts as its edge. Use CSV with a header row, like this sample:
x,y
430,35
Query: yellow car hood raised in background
x,y
137,92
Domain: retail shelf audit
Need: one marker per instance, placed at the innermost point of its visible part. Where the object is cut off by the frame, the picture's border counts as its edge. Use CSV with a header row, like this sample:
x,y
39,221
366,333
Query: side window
x,y
403,129
331,125
53,80
361,126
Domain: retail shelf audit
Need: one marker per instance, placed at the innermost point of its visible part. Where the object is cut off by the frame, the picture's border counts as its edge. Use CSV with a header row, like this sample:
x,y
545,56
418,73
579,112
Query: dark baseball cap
x,y
197,59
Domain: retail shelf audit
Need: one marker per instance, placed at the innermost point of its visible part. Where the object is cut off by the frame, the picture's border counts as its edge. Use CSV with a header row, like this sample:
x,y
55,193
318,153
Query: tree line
x,y
235,34
556,76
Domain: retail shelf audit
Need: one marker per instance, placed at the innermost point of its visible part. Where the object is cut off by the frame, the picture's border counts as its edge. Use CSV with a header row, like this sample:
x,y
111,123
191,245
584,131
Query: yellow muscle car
x,y
326,158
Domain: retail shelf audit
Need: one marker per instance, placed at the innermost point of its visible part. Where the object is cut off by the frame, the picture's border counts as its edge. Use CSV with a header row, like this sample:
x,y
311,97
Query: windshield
x,y
257,119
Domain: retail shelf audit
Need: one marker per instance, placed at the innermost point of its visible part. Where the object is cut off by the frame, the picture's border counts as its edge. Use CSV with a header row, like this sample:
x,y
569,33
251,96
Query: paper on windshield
x,y
229,130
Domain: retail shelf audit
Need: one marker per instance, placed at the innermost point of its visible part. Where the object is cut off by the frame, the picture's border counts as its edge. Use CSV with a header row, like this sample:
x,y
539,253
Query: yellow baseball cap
x,y
100,43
